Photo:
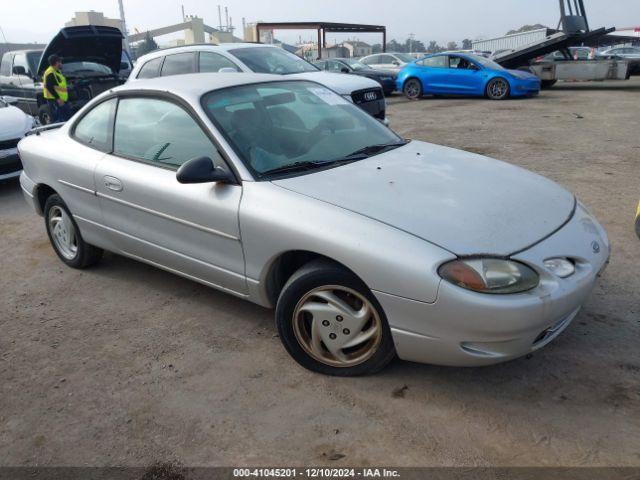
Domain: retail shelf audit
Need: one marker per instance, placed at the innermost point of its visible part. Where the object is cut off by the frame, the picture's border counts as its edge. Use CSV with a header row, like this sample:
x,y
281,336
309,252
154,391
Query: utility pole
x,y
411,37
124,28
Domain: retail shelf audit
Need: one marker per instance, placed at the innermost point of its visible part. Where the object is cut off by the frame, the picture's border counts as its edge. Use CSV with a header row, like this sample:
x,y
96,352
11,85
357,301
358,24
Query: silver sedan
x,y
286,194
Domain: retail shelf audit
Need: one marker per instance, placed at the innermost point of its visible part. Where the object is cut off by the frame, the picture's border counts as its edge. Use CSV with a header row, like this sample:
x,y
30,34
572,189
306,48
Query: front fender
x,y
274,220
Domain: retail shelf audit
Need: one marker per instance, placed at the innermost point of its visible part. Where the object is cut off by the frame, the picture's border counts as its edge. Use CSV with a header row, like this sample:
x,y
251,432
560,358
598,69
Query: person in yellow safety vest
x,y
55,90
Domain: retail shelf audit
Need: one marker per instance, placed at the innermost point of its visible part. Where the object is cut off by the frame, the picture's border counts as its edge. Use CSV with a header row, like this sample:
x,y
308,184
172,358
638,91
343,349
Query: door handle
x,y
112,183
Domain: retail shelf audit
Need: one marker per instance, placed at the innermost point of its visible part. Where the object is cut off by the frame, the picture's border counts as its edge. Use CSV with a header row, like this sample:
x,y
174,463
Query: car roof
x,y
200,47
194,85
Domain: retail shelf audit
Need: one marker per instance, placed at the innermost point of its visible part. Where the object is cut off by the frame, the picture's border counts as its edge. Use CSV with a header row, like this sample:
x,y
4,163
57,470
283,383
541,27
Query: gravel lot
x,y
124,364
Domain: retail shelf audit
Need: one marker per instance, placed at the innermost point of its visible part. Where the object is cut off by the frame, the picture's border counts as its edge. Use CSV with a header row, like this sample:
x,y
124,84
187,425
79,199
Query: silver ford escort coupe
x,y
285,193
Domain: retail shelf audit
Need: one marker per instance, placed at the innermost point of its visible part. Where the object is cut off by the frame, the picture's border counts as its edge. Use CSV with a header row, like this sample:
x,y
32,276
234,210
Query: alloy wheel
x,y
498,89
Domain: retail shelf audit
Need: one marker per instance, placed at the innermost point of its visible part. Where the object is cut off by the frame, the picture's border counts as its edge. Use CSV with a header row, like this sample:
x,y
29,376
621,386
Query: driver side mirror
x,y
396,63
344,70
202,170
19,70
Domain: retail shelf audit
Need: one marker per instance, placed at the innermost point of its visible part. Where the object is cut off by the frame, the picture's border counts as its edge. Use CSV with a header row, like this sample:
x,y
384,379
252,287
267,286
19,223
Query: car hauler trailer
x,y
573,30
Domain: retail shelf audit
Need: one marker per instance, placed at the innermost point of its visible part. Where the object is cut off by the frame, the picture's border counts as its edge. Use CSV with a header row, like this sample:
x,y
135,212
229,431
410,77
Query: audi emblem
x,y
370,96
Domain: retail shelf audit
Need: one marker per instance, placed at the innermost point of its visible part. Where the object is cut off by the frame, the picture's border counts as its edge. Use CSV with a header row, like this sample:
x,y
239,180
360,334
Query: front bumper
x,y
527,88
464,328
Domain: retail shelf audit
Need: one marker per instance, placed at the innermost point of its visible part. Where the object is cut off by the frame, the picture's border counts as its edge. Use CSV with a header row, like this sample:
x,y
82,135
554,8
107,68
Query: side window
x,y
178,64
159,132
5,66
374,60
151,69
20,60
94,129
441,61
214,62
334,66
386,59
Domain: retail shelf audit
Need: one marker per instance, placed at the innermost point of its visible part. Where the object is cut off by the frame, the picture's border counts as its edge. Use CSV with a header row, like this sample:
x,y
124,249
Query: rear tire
x,y
65,236
546,84
330,322
412,89
498,89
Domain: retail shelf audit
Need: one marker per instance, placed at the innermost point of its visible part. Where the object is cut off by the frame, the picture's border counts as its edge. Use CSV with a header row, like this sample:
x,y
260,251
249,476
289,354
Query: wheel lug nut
x,y
332,336
325,323
339,318
346,331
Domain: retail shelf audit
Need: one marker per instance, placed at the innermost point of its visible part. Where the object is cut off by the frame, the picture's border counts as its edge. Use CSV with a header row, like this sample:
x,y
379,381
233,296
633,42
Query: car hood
x,y
88,43
14,123
465,203
339,82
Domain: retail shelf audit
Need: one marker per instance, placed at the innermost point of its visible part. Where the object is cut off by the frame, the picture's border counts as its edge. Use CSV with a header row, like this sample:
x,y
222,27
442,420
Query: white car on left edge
x,y
14,124
259,58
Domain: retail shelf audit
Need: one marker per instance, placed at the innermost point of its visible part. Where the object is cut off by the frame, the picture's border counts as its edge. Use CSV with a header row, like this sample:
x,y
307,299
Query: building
x,y
94,18
336,51
357,48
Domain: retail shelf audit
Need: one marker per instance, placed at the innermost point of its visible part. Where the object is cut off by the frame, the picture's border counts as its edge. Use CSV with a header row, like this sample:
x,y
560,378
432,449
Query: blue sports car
x,y
464,74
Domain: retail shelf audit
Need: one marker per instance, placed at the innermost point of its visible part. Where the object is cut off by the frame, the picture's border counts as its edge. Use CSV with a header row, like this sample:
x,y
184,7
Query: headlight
x,y
490,275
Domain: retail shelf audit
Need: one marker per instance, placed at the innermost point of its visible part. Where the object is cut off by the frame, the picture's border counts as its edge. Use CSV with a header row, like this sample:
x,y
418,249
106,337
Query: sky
x,y
440,20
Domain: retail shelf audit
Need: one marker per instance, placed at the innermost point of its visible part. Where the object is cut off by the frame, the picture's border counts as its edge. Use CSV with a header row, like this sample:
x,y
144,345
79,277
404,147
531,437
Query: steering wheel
x,y
319,132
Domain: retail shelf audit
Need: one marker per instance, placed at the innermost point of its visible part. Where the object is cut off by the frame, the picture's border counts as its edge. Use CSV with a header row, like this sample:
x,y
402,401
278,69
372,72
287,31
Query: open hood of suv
x,y
87,43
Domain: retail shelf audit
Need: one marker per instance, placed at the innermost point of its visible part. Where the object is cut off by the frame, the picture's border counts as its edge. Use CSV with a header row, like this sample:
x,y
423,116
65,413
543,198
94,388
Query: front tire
x,y
412,89
498,89
65,237
330,322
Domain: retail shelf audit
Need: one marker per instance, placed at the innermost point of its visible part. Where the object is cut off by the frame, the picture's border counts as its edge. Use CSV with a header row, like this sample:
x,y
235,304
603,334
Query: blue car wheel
x,y
412,89
498,89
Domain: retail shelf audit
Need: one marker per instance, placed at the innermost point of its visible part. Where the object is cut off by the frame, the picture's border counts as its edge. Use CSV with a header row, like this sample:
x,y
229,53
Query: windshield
x,y
485,62
75,68
404,57
356,65
281,125
272,60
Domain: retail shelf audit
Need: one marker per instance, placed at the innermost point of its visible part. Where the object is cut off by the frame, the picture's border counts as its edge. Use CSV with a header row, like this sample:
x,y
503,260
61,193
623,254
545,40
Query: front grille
x,y
10,165
366,96
7,144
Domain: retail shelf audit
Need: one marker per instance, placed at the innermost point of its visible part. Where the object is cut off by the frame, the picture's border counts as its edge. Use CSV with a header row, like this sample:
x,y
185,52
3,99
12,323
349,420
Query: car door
x,y
435,74
464,76
191,230
25,86
10,84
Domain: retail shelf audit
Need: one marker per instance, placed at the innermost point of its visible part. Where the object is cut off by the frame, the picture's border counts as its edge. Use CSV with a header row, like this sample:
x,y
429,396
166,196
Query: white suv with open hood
x,y
258,58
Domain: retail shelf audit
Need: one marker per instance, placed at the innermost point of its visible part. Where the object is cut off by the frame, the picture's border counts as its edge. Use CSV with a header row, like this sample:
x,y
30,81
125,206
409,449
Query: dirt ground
x,y
124,364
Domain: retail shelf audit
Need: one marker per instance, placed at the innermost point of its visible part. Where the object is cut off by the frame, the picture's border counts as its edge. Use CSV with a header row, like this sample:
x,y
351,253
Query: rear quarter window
x,y
151,69
178,64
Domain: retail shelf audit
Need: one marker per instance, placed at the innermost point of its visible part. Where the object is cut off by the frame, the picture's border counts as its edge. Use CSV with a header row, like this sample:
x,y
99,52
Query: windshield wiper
x,y
370,150
308,165
292,167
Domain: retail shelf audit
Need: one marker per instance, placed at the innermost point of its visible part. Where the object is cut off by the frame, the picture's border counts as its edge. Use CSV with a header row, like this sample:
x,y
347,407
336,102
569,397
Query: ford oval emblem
x,y
596,247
